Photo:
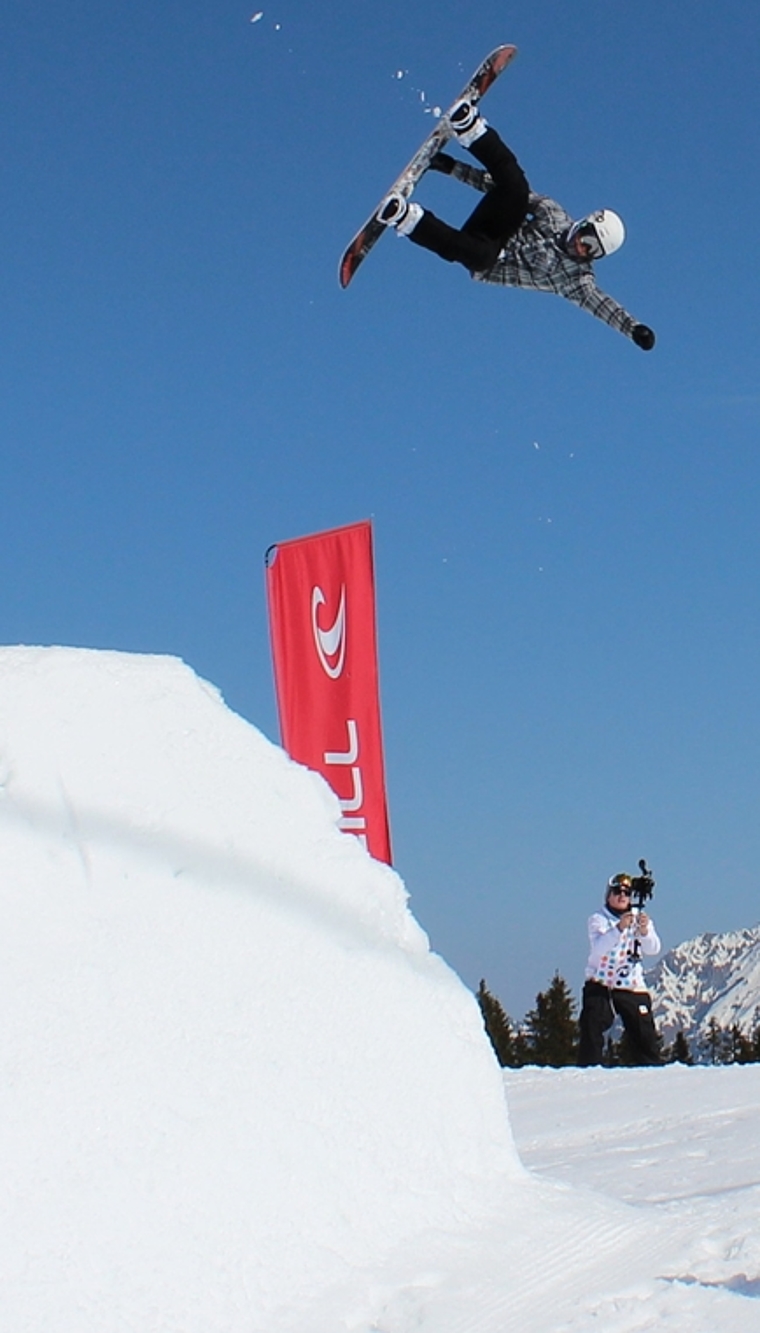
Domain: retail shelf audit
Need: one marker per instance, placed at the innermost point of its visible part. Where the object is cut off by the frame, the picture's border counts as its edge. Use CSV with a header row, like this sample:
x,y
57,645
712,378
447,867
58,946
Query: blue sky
x,y
569,633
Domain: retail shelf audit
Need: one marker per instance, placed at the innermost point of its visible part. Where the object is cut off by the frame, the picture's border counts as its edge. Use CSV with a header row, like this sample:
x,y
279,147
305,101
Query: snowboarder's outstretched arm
x,y
589,297
552,218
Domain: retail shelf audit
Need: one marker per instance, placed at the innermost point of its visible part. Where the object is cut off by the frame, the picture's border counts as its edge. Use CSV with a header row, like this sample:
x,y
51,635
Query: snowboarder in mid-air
x,y
514,237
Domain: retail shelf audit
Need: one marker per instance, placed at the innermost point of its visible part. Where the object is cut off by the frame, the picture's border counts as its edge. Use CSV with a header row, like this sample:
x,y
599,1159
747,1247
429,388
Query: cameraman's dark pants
x,y
600,1006
498,216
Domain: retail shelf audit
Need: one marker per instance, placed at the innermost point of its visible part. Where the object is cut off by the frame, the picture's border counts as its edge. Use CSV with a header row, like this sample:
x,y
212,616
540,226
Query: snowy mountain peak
x,y
710,977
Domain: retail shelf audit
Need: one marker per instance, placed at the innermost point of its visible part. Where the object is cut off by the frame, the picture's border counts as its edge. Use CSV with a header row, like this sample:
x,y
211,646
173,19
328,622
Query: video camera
x,y
642,886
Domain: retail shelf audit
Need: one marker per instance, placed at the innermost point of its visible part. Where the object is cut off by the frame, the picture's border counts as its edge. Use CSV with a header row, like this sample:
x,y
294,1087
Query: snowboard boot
x,y
466,122
396,211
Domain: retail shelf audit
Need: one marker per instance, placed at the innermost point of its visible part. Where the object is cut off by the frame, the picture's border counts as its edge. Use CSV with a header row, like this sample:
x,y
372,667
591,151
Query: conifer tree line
x,y
548,1035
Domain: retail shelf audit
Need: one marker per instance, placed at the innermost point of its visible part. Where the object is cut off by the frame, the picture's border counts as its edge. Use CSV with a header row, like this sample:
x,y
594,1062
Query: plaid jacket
x,y
534,258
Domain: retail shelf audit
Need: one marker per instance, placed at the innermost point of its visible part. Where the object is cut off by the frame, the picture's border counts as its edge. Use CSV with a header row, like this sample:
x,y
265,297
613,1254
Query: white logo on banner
x,y
330,642
351,822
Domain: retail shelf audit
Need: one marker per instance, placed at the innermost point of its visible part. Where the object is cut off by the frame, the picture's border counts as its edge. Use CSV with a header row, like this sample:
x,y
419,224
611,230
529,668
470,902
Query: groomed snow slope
x,y
233,1073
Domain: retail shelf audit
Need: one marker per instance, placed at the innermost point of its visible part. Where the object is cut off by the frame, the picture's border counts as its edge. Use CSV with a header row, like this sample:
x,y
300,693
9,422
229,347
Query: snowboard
x,y
486,74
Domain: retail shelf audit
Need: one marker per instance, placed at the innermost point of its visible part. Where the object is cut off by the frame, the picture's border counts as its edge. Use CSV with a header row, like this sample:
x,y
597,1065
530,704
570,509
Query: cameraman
x,y
615,977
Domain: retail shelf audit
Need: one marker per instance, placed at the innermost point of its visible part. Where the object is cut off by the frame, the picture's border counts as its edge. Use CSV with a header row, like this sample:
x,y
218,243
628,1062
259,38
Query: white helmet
x,y
603,231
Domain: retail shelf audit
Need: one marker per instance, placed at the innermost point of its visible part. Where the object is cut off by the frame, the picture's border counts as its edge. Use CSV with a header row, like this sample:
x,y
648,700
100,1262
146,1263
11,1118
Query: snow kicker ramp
x,y
238,1092
232,1069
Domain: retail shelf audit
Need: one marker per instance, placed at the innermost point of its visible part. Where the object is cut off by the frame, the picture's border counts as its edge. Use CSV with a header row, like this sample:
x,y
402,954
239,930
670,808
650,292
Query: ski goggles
x,y
619,884
586,233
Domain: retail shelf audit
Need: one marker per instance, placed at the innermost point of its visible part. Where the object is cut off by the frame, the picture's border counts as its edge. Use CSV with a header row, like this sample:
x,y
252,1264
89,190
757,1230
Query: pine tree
x,y
740,1051
551,1028
498,1026
522,1055
679,1053
715,1043
756,1035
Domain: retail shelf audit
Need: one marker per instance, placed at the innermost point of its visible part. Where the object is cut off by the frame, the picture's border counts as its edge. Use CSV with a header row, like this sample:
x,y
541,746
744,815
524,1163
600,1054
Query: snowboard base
x,y
486,74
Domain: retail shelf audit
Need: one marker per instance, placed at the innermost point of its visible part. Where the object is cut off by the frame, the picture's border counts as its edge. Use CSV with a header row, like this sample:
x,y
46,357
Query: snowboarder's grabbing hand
x,y
515,237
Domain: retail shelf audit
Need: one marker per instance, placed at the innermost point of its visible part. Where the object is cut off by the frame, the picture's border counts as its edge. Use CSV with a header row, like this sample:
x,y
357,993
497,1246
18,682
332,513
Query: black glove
x,y
443,162
643,337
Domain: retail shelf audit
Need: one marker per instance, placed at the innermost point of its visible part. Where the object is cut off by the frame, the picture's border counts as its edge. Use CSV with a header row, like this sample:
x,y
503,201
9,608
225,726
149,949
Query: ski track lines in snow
x,y
634,1254
582,1259
535,1259
684,1146
688,1145
517,1282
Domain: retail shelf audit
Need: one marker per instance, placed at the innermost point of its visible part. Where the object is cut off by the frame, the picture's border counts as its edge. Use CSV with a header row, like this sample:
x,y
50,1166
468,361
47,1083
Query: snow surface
x,y
682,1147
239,1092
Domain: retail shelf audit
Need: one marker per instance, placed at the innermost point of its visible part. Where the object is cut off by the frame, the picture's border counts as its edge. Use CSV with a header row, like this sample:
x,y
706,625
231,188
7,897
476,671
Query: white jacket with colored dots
x,y
612,960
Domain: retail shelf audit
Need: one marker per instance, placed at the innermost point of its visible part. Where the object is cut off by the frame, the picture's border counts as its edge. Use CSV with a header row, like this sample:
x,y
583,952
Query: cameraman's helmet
x,y
621,881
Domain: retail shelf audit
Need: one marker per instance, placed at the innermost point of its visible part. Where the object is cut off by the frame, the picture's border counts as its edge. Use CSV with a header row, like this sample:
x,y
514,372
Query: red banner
x,y
321,593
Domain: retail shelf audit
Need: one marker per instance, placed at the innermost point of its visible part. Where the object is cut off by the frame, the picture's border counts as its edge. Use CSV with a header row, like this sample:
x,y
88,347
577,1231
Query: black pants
x,y
497,217
598,1014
